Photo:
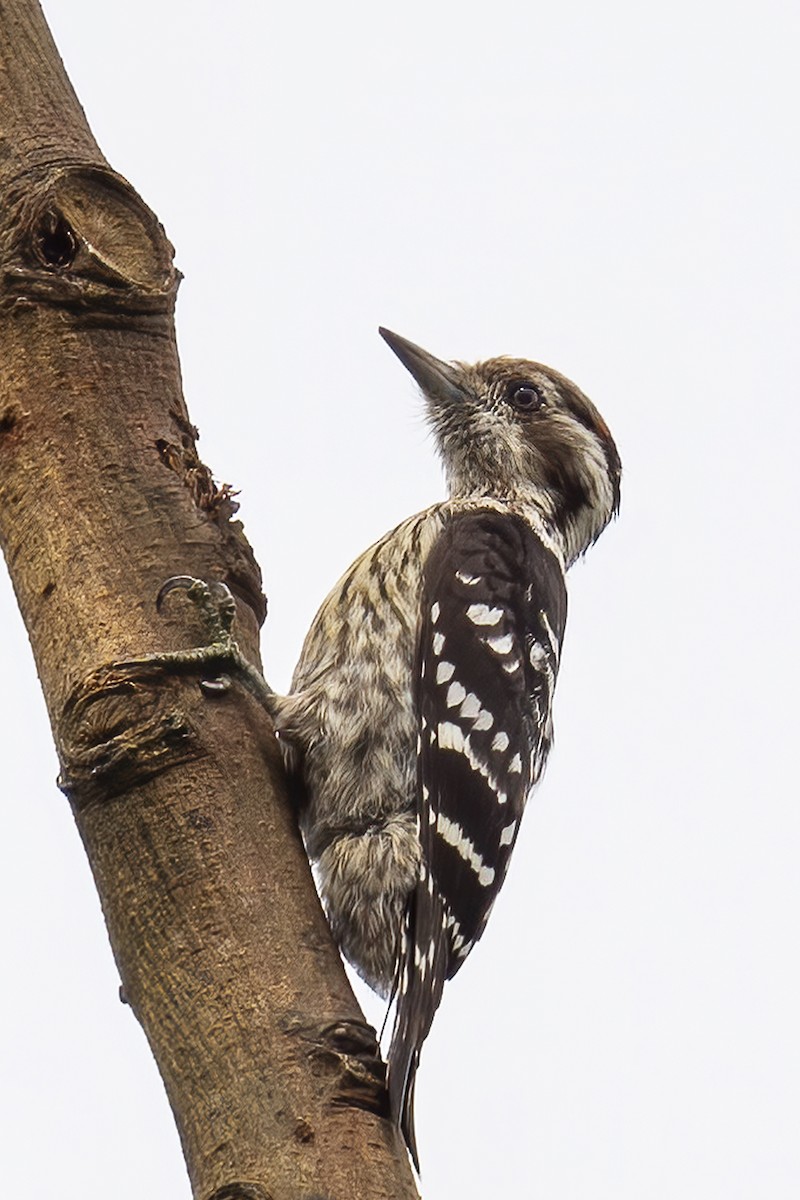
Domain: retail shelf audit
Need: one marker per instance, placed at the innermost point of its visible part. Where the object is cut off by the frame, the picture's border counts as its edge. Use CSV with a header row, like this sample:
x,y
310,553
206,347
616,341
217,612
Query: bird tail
x,y
423,964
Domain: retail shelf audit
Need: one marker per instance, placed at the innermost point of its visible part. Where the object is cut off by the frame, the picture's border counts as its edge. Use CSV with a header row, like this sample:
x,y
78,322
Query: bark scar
x,y
215,499
119,727
178,453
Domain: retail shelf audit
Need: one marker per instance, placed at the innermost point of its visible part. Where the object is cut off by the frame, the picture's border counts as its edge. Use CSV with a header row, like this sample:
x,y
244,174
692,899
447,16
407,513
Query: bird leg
x,y
217,609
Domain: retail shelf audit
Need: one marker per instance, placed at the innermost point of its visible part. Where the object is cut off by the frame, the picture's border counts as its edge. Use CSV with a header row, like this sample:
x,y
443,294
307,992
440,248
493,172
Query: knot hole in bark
x,y
81,237
54,241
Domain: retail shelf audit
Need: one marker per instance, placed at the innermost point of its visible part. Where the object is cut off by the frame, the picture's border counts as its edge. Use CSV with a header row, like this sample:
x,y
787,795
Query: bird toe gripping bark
x,y
214,601
217,608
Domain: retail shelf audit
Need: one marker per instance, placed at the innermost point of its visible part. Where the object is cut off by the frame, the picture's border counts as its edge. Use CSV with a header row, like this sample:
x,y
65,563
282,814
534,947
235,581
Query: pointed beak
x,y
438,380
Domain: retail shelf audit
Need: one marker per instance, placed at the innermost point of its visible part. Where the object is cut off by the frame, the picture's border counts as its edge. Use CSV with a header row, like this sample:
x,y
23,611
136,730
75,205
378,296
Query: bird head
x,y
515,430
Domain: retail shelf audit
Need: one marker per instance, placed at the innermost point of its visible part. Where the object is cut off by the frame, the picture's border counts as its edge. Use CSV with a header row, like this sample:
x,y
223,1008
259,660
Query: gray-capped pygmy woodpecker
x,y
419,717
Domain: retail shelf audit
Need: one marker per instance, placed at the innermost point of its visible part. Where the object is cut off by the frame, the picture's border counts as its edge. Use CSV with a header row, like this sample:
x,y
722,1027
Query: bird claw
x,y
214,601
173,584
217,608
216,687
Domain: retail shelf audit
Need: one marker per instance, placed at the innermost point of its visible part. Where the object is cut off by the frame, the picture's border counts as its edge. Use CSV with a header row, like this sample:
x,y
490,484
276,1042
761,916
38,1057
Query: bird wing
x,y
492,619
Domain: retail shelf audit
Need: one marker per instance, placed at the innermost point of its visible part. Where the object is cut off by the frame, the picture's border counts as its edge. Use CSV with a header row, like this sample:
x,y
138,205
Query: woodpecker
x,y
419,715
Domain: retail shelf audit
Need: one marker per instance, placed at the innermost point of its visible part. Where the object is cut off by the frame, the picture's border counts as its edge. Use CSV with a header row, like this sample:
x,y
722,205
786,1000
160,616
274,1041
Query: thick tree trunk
x,y
178,795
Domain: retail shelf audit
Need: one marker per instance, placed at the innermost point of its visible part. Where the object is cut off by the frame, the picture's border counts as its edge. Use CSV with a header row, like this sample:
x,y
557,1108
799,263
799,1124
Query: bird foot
x,y
213,601
217,608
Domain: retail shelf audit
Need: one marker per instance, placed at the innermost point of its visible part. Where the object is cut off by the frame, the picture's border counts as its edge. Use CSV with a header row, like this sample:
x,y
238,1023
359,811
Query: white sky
x,y
610,189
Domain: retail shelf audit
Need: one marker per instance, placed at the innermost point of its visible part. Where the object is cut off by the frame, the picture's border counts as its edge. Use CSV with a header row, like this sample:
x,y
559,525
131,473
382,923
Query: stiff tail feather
x,y
424,961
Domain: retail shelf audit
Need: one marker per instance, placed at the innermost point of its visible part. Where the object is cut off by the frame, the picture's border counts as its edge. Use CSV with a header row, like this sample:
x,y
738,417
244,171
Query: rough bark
x,y
178,794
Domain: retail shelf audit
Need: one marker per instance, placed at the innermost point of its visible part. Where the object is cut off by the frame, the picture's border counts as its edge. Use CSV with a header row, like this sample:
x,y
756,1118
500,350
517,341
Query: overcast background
x,y
611,189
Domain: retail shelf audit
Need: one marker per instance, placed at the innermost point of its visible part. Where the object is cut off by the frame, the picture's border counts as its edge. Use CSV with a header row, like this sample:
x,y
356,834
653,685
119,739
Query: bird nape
x,y
419,715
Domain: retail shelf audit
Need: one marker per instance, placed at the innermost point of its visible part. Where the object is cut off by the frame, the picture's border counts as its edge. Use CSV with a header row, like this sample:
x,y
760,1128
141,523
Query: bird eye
x,y
526,397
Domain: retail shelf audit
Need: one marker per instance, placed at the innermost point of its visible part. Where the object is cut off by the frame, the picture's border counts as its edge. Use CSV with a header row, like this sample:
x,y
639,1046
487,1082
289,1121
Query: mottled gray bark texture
x,y
178,795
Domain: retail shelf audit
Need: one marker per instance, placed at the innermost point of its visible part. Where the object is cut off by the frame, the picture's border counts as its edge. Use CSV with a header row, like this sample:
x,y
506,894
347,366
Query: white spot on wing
x,y
471,710
455,694
469,580
515,766
501,645
452,833
452,737
452,923
438,643
481,614
500,741
538,655
507,834
445,672
435,610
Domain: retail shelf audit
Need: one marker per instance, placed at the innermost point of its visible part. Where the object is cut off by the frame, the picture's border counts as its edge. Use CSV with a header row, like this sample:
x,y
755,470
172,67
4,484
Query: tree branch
x,y
224,955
